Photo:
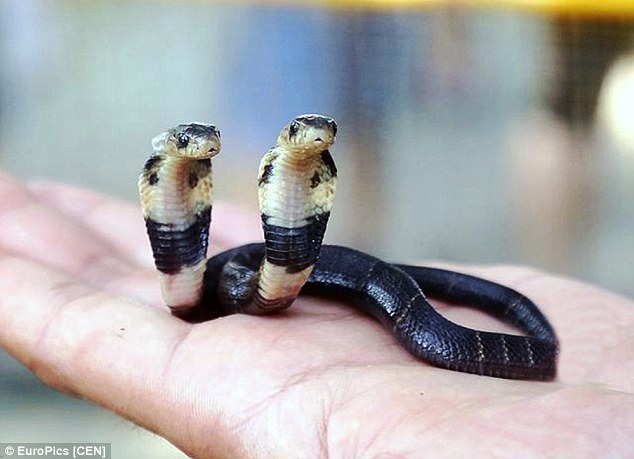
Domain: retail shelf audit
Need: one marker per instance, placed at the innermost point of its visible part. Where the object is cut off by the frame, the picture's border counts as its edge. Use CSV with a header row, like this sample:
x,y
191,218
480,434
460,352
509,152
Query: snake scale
x,y
296,186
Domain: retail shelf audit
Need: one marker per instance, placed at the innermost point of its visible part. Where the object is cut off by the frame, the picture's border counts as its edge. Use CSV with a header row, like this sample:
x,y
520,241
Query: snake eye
x,y
293,128
182,140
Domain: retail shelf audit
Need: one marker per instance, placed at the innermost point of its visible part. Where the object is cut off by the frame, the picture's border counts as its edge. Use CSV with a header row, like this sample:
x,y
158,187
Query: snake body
x,y
297,181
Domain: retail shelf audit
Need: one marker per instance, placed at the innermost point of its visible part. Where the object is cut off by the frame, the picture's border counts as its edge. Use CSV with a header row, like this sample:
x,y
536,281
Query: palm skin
x,y
81,308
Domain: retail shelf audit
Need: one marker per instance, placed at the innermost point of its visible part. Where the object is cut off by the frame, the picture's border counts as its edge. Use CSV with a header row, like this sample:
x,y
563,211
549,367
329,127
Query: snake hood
x,y
193,141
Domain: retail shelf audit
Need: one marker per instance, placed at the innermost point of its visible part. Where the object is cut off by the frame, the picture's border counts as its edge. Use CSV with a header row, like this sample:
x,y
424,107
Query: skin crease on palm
x,y
81,308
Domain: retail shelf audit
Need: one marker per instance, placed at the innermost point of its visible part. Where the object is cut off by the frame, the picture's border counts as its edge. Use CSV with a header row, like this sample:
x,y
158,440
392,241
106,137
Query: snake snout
x,y
210,150
324,138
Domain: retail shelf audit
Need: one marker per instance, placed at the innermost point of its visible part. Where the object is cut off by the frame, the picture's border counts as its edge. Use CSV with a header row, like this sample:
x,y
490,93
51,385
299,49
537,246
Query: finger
x,y
112,218
101,347
32,229
117,222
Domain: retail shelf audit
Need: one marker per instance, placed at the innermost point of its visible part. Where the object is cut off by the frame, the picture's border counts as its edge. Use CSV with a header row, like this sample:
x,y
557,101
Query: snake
x,y
297,182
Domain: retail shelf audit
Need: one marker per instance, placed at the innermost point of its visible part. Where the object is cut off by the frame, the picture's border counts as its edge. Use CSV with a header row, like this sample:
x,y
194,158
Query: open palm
x,y
81,308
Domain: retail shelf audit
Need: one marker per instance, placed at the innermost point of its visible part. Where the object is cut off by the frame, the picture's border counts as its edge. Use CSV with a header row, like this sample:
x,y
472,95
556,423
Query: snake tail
x,y
175,188
396,299
296,188
504,303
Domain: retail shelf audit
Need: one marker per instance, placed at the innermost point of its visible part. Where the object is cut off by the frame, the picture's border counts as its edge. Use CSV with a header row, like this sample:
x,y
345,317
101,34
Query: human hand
x,y
81,308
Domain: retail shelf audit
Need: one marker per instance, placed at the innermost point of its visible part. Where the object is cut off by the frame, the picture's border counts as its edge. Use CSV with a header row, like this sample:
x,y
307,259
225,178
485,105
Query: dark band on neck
x,y
176,248
294,248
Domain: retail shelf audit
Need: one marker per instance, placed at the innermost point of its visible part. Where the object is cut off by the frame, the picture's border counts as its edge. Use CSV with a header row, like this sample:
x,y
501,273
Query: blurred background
x,y
497,134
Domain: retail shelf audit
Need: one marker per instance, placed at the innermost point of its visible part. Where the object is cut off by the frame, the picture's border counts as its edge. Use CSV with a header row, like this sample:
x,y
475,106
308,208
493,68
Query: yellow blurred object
x,y
548,6
616,108
582,7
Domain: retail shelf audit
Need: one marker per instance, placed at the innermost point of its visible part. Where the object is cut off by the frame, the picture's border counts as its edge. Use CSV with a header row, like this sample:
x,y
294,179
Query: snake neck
x,y
176,195
179,189
292,188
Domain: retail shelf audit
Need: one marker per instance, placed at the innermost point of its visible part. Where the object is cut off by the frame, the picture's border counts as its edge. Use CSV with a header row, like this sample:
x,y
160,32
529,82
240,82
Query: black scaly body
x,y
394,295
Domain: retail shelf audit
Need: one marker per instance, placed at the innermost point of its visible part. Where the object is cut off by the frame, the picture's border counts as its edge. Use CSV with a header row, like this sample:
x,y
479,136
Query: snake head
x,y
308,132
193,140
